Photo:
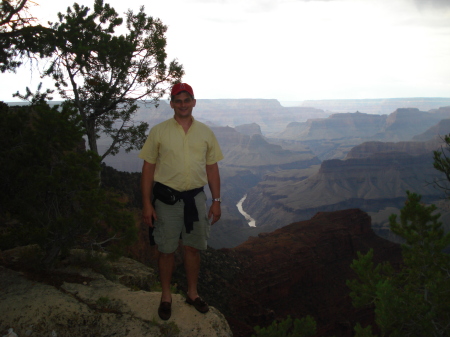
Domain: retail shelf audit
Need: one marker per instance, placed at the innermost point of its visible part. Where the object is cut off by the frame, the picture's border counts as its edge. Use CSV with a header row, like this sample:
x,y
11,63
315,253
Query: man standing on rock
x,y
180,157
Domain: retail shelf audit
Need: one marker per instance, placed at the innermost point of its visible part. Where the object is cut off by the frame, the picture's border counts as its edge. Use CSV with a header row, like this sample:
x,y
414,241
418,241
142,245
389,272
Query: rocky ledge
x,y
73,301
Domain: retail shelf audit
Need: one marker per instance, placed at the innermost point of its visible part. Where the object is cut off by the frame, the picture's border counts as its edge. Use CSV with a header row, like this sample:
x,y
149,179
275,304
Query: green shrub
x,y
50,185
289,327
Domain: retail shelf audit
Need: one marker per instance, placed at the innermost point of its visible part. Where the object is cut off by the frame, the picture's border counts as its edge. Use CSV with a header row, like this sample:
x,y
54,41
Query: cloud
x,y
255,6
432,4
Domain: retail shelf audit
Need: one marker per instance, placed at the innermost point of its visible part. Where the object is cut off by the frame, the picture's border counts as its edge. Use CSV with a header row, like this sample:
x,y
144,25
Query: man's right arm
x,y
147,179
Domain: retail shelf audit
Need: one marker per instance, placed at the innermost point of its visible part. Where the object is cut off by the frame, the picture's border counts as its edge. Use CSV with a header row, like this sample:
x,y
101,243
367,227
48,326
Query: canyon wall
x,y
375,175
298,270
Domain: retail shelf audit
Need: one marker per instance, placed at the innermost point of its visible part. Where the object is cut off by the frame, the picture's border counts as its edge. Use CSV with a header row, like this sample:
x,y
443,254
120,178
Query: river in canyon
x,y
250,220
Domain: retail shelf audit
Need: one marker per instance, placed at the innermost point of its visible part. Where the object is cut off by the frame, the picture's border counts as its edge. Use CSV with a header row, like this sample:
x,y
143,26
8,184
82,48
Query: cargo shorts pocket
x,y
167,228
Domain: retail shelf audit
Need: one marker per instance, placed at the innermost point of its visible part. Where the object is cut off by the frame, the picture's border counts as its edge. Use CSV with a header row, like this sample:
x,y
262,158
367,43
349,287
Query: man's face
x,y
182,105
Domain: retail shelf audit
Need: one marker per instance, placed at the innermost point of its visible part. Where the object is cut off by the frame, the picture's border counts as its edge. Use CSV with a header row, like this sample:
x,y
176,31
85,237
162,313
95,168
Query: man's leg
x,y
192,266
193,242
166,265
166,233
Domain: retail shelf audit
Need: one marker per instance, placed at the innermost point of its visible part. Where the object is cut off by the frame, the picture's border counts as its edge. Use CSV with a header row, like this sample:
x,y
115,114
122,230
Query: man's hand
x,y
148,211
149,215
214,212
212,171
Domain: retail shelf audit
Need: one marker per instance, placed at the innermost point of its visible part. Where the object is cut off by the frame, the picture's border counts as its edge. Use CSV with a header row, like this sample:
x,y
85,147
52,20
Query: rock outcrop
x,y
257,153
436,132
301,269
403,124
249,129
76,302
337,126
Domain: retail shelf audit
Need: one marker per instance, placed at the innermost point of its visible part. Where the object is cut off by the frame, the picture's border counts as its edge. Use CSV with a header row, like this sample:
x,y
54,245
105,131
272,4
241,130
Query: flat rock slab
x,y
97,308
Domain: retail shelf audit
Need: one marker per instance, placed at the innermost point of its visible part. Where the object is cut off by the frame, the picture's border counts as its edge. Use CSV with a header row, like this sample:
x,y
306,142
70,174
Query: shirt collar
x,y
176,123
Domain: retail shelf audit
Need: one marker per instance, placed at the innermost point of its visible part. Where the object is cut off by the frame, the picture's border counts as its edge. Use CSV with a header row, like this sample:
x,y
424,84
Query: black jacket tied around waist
x,y
170,196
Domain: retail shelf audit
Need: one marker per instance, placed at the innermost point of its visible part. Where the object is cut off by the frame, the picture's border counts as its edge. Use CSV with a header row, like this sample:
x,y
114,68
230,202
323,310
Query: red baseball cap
x,y
179,87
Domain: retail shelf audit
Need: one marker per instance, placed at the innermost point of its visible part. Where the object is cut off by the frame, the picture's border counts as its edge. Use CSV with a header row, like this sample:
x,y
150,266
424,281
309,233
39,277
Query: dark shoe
x,y
165,310
198,304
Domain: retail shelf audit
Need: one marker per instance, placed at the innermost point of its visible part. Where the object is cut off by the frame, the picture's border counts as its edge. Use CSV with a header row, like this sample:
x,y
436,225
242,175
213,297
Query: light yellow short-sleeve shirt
x,y
180,157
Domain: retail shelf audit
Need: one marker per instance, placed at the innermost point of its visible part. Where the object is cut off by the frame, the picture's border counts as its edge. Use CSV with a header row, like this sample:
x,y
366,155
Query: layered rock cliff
x,y
333,137
375,175
337,126
369,149
301,269
436,132
378,105
256,152
403,124
400,125
247,160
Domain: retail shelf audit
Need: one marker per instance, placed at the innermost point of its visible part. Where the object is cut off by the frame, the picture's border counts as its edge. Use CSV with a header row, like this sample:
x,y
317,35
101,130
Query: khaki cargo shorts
x,y
170,225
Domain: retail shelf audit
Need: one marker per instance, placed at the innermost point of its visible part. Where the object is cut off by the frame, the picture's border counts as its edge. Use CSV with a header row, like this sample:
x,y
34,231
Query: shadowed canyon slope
x,y
247,160
301,269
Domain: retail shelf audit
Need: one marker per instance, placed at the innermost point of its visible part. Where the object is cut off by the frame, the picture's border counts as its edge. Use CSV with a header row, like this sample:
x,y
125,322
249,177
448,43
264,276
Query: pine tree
x,y
50,186
19,36
442,164
104,74
412,301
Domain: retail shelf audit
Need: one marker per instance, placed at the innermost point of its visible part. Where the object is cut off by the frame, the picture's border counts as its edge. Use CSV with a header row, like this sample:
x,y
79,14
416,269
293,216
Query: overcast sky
x,y
294,50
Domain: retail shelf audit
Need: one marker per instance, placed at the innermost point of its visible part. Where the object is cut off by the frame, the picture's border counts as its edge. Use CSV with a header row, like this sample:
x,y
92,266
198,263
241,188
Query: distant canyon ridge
x,y
327,155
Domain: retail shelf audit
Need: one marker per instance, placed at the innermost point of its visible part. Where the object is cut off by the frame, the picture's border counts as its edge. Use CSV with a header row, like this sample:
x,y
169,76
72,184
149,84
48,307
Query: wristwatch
x,y
217,199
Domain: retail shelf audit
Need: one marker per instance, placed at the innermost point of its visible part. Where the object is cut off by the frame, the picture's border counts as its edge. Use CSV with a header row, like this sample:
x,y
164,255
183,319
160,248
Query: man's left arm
x,y
212,171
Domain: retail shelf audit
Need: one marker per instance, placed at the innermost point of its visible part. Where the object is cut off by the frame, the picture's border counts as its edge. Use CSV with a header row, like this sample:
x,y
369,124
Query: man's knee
x,y
191,250
165,256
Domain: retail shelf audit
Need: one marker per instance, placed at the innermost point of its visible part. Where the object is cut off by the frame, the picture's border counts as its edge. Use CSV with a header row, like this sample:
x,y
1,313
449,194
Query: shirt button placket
x,y
186,163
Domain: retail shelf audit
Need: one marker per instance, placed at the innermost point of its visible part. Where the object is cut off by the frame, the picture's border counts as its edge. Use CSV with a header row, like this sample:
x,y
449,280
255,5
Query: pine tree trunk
x,y
92,137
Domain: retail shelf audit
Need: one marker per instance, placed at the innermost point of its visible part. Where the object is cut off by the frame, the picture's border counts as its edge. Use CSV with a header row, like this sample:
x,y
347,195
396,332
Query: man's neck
x,y
185,122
